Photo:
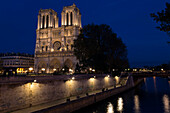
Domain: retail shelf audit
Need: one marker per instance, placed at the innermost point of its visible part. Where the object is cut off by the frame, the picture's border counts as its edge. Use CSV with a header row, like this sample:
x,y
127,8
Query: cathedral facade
x,y
54,44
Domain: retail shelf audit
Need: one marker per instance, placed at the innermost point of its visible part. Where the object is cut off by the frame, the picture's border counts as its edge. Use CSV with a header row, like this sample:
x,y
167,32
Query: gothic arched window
x,y
43,21
67,18
46,48
54,22
71,18
42,48
47,21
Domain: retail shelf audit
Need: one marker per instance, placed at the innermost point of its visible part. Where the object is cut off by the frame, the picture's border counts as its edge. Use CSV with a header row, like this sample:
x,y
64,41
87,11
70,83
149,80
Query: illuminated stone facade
x,y
54,44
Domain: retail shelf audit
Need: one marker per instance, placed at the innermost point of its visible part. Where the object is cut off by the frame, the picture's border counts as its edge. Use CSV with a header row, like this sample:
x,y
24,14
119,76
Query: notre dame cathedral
x,y
54,44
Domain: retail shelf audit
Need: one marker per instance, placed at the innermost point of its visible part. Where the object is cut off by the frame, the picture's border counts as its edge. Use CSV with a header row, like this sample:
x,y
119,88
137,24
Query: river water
x,y
152,96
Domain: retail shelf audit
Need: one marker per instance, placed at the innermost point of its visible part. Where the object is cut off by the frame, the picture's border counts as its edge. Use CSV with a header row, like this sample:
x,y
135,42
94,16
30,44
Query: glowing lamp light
x,y
116,77
92,79
35,80
93,70
63,69
162,69
70,70
43,69
108,76
73,78
90,69
30,69
134,69
54,69
52,50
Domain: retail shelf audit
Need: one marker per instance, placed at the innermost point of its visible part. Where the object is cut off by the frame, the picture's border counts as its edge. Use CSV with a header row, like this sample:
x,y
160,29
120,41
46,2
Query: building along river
x,y
152,96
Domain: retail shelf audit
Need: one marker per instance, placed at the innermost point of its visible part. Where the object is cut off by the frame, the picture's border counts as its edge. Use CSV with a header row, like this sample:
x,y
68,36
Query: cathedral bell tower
x,y
47,18
71,16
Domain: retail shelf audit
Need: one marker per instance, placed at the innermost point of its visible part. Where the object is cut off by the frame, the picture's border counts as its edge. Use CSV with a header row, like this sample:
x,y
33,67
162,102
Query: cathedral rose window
x,y
57,45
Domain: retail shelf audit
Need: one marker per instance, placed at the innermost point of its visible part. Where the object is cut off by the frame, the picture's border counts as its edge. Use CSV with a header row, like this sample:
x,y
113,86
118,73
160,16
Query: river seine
x,y
152,96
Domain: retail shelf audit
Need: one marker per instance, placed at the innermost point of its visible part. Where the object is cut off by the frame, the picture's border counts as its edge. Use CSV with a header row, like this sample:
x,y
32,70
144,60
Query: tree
x,y
77,69
163,18
99,48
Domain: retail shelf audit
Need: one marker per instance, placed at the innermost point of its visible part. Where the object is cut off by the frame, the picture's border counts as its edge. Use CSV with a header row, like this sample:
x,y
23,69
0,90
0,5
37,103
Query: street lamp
x,y
30,69
71,71
90,69
43,69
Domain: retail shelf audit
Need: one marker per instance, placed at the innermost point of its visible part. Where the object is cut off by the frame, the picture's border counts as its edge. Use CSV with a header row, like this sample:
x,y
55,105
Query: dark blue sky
x,y
130,19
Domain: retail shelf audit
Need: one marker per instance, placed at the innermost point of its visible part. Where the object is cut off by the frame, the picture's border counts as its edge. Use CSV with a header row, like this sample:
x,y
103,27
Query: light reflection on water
x,y
120,104
166,103
154,80
136,104
110,108
153,96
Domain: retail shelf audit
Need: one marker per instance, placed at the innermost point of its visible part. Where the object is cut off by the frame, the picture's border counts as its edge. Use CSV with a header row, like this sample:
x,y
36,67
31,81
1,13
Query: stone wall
x,y
88,100
15,95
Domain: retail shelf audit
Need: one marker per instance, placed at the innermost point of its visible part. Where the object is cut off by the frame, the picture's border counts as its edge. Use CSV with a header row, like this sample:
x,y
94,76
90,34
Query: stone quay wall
x,y
88,100
23,92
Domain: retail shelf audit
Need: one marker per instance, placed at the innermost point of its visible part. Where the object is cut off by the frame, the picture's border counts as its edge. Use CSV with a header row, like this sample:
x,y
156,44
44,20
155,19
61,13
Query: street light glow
x,y
30,69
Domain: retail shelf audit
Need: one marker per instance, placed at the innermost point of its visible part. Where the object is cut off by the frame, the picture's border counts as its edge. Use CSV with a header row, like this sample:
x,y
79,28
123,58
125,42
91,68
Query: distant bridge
x,y
147,74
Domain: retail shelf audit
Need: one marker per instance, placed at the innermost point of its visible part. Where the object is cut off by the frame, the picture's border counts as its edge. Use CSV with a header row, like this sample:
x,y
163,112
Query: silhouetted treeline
x,y
99,48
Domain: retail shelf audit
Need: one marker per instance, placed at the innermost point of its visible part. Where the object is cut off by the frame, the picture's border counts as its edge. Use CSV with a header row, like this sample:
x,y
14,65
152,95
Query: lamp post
x,y
43,70
70,71
93,70
30,69
90,69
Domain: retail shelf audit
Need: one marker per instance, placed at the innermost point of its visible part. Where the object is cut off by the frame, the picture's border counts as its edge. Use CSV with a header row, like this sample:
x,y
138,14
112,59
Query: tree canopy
x,y
163,18
99,48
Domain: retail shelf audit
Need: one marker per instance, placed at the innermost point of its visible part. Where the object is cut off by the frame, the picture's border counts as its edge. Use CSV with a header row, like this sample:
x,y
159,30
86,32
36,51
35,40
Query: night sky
x,y
130,19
